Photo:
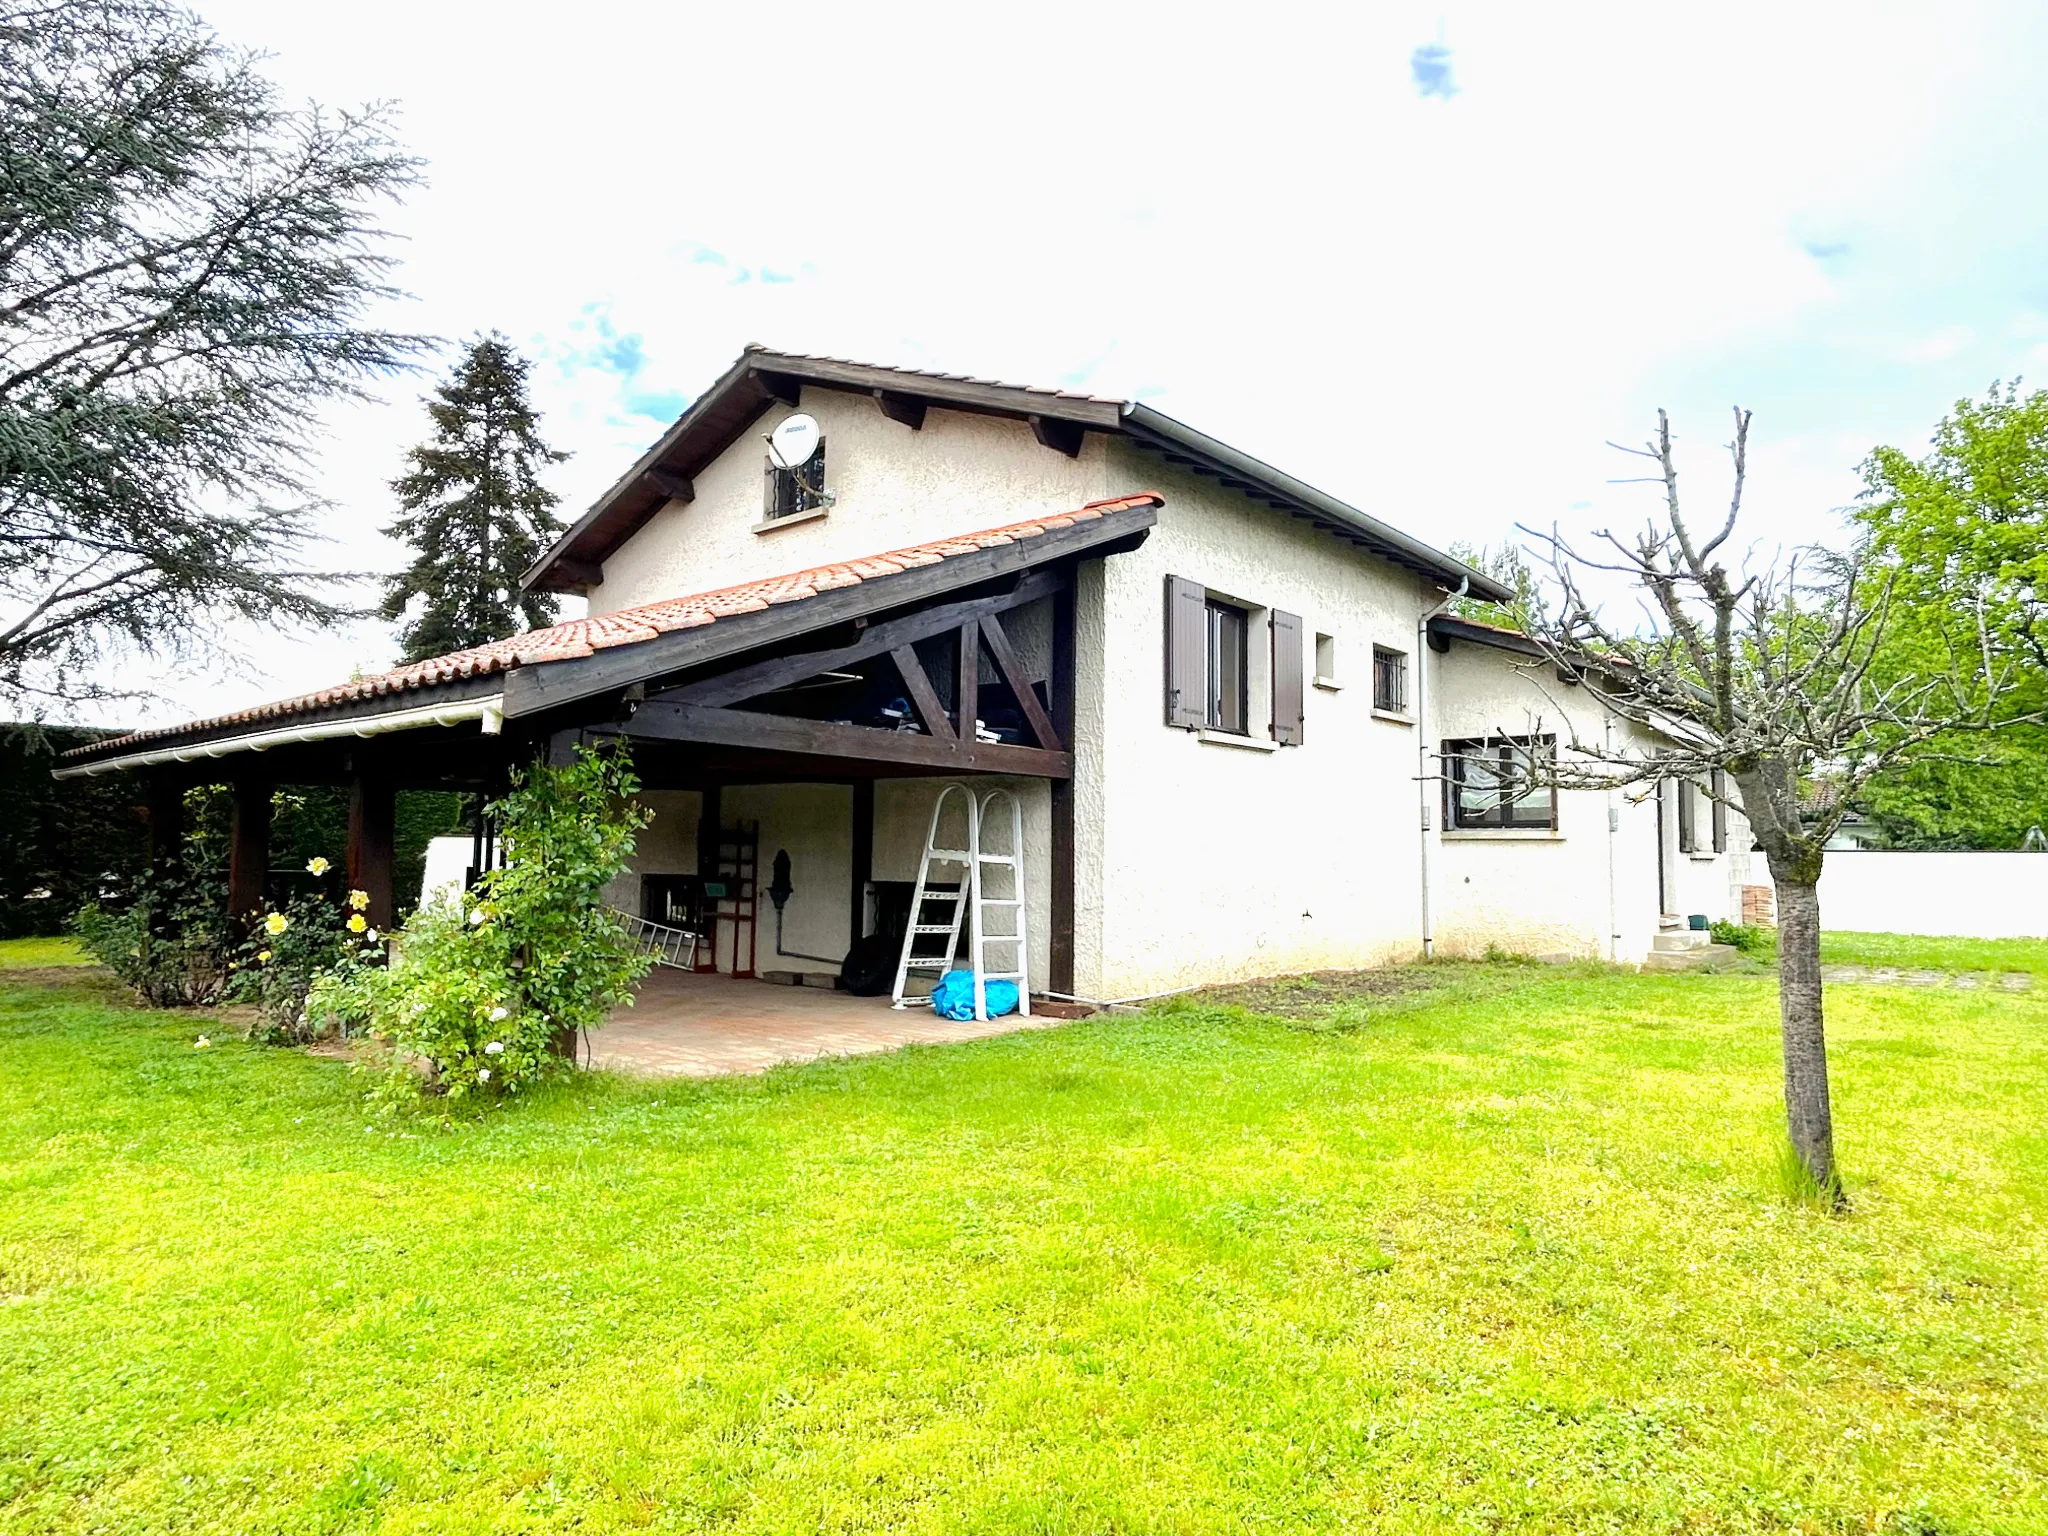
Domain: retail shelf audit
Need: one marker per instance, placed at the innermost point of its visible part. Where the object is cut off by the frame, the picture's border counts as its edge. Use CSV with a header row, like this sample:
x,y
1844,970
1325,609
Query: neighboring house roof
x,y
579,638
1059,418
1446,627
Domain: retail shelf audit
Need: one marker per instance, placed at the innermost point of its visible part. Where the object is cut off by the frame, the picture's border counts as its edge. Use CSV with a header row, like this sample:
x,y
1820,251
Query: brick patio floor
x,y
687,1025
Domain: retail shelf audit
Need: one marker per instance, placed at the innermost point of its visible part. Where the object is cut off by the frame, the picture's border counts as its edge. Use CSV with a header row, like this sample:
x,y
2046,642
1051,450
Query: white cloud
x,y
1620,208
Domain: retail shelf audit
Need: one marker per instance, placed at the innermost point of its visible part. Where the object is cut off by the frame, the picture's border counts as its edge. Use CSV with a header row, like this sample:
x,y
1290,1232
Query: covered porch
x,y
784,716
687,1024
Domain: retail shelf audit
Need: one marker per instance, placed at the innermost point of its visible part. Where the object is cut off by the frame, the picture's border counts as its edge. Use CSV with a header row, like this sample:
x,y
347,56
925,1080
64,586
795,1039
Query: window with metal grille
x,y
1496,781
1389,680
790,491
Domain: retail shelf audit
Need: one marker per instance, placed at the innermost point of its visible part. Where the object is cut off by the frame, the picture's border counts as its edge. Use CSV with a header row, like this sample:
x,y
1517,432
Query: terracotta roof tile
x,y
629,626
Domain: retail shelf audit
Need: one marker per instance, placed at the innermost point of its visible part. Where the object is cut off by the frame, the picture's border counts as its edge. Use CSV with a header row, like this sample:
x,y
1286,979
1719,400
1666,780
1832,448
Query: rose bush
x,y
488,992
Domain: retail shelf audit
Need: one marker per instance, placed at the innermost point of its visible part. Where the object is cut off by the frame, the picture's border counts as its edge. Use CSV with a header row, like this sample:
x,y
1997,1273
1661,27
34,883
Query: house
x,y
1247,733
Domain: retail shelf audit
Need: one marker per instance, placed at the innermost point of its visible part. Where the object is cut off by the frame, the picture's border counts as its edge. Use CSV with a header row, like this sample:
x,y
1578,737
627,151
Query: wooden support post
x,y
967,685
248,849
166,823
863,854
372,829
710,813
1060,973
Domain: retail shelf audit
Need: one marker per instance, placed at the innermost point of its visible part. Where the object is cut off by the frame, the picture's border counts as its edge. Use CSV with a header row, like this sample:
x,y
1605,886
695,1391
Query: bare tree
x,y
1769,677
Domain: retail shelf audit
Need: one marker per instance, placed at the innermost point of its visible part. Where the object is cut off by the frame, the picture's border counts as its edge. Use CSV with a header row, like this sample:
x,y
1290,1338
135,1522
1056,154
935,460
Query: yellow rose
x,y
317,866
264,958
360,900
276,923
357,923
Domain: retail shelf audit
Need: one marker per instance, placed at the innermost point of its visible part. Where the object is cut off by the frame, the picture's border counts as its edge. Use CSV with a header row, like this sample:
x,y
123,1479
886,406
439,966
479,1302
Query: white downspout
x,y
1613,827
1423,727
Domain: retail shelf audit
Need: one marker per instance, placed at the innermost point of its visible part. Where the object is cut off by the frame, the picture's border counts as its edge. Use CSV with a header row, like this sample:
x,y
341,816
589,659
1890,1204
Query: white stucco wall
x,y
1210,861
1973,895
1590,888
960,472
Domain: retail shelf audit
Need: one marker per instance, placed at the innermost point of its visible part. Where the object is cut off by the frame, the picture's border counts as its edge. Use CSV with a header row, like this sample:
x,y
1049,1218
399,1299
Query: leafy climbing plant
x,y
491,990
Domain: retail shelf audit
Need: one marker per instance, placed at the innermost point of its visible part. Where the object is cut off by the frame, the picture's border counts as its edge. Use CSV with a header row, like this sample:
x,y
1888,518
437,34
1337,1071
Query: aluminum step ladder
x,y
1006,871
990,885
944,851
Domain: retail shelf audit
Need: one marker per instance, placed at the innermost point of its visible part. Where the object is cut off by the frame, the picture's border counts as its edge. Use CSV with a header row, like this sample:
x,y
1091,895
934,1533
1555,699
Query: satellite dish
x,y
793,441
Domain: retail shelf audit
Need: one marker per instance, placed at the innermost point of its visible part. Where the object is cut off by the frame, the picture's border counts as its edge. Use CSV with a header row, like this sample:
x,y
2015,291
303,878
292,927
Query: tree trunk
x,y
1807,1114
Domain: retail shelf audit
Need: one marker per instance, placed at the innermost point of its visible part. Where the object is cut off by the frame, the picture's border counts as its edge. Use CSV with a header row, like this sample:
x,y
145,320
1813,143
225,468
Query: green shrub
x,y
1744,938
294,946
490,991
173,944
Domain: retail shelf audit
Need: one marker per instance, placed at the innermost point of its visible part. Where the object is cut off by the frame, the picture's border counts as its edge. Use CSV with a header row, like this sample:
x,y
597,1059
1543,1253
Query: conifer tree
x,y
474,510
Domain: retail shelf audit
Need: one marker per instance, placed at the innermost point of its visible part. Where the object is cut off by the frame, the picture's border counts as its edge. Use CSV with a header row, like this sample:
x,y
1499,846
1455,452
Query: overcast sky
x,y
1429,258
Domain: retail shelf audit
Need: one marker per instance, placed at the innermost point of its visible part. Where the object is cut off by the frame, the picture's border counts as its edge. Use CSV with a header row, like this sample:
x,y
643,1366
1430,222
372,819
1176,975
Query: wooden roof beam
x,y
674,487
897,406
1064,435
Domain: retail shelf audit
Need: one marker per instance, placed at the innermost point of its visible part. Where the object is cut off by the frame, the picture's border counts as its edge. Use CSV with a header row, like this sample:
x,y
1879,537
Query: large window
x,y
1389,680
1227,703
1496,782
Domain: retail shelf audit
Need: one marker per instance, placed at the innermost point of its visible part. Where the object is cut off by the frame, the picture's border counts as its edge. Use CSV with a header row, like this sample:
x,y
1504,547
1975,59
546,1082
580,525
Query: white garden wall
x,y
1967,895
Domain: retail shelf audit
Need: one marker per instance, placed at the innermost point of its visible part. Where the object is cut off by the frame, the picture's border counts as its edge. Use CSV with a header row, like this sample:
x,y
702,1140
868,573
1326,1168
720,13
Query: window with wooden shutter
x,y
1688,816
1720,812
1287,680
1187,653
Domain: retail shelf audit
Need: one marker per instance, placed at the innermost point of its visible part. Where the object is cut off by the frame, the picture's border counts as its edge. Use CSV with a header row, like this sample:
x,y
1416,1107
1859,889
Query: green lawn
x,y
33,954
1503,1255
1905,950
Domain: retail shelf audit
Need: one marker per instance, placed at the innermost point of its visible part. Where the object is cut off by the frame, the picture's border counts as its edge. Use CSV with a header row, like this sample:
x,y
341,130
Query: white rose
x,y
495,1048
483,1074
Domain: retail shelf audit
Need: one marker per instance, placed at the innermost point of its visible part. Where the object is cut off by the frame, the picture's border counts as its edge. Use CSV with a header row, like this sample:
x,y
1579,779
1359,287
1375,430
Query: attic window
x,y
790,491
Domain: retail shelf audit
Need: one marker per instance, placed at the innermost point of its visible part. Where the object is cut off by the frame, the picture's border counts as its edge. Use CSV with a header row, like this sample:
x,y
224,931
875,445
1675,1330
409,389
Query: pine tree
x,y
475,512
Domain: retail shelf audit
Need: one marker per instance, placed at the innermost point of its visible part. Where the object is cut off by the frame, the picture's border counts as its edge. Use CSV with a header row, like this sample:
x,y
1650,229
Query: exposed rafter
x,y
897,406
1066,436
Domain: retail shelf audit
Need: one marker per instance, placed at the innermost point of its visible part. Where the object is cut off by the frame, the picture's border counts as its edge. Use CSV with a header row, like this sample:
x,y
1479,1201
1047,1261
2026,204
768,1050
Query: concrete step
x,y
1703,957
1678,939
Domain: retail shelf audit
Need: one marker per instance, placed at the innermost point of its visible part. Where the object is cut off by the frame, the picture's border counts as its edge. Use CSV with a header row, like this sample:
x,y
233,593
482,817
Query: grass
x,y
1911,952
1505,1252
35,954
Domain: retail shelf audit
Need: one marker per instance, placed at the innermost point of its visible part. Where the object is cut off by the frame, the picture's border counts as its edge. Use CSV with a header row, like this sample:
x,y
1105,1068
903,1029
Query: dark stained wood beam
x,y
661,721
780,386
1052,432
863,857
372,828
967,680
922,694
674,487
530,690
579,574
248,848
1060,973
751,682
908,409
1013,674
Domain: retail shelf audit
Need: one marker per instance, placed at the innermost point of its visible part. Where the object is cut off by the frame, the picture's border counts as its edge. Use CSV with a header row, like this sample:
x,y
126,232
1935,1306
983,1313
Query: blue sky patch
x,y
1430,68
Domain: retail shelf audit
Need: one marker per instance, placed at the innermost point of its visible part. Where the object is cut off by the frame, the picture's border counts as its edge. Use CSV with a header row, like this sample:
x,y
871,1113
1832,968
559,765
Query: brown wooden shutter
x,y
1187,653
1720,812
1688,815
1286,678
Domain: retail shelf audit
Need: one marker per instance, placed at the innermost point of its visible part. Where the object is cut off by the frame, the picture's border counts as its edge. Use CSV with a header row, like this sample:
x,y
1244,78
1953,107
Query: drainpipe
x,y
1422,730
1613,827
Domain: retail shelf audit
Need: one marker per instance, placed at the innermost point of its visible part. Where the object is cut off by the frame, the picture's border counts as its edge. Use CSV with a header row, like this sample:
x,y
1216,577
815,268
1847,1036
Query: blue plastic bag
x,y
953,997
